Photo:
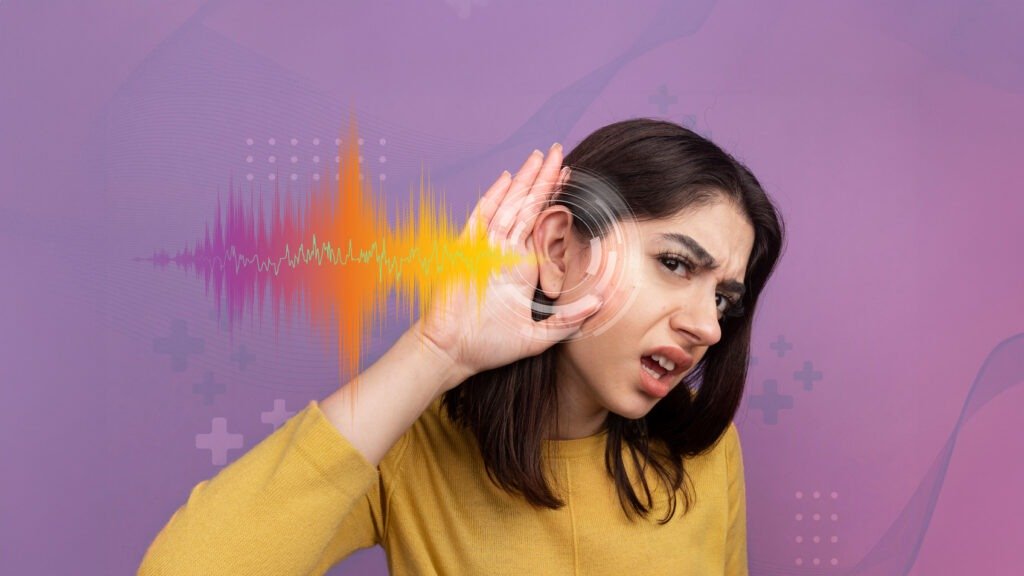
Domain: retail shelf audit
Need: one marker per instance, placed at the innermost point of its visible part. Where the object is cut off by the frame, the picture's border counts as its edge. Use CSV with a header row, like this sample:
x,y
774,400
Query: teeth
x,y
665,362
651,372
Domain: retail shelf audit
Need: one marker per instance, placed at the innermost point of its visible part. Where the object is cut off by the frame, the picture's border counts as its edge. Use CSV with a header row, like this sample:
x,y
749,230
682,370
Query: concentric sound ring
x,y
602,215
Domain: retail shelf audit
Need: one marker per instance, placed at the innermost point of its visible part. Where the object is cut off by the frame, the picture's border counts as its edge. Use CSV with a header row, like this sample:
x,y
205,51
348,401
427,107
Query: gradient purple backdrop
x,y
887,132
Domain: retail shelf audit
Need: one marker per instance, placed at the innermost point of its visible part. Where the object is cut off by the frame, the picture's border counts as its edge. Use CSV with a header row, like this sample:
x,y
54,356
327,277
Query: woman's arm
x,y
391,394
309,494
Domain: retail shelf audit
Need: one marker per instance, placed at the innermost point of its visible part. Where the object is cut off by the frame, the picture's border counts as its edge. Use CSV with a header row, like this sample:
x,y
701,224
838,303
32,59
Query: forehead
x,y
720,229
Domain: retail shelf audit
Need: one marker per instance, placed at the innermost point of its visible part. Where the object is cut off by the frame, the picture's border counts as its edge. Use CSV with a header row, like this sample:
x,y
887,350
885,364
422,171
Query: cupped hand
x,y
502,330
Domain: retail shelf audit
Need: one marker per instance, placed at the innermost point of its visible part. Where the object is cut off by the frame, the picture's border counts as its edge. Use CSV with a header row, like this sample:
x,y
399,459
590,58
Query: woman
x,y
496,439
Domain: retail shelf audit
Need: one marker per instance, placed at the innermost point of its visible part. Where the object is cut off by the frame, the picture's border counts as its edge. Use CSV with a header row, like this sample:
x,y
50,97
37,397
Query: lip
x,y
681,359
653,386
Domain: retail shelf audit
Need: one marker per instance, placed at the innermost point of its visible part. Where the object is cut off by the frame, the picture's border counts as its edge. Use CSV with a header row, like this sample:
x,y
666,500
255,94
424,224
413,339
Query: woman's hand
x,y
503,330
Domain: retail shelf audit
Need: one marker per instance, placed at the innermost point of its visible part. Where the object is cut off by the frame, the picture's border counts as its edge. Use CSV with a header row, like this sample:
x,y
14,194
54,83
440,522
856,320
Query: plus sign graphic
x,y
662,99
277,416
770,402
781,346
808,376
179,345
243,357
208,389
219,441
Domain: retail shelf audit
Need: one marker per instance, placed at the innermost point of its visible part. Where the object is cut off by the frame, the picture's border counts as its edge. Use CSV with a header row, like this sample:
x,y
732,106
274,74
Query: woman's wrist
x,y
437,365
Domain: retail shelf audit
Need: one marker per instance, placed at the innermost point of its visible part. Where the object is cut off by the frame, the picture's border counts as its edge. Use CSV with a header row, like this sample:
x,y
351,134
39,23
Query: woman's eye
x,y
673,263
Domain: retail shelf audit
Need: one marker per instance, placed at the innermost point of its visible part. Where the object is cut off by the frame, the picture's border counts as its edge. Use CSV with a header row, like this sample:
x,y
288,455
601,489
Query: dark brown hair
x,y
658,168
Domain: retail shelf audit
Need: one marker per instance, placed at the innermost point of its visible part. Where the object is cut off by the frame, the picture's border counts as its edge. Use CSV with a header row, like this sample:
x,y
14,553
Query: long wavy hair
x,y
658,168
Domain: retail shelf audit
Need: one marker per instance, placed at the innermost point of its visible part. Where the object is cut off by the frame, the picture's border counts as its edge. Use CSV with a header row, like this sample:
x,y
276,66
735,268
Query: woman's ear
x,y
555,249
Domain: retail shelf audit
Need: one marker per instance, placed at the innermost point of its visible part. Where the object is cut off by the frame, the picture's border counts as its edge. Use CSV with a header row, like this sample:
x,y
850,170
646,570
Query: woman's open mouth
x,y
658,373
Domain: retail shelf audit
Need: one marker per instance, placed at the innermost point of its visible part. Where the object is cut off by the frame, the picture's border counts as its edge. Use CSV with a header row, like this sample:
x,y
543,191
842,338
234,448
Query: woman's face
x,y
672,307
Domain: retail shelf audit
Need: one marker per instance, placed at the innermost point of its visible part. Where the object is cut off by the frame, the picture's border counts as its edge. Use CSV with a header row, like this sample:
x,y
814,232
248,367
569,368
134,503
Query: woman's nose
x,y
697,318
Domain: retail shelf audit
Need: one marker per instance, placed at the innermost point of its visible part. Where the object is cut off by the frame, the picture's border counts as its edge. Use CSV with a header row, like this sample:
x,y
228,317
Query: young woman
x,y
553,428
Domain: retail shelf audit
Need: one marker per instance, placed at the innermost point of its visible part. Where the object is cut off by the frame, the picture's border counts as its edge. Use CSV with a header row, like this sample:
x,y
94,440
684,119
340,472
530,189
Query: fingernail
x,y
538,152
556,146
506,173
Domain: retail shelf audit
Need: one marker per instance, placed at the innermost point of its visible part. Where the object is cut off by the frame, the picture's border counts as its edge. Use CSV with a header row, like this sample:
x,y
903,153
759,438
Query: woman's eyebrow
x,y
705,261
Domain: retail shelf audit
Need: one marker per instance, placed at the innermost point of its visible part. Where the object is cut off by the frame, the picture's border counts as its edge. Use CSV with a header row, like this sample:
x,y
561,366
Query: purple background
x,y
889,135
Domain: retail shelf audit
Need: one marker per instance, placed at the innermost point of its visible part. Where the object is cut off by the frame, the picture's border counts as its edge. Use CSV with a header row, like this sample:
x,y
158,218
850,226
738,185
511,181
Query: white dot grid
x,y
272,159
834,495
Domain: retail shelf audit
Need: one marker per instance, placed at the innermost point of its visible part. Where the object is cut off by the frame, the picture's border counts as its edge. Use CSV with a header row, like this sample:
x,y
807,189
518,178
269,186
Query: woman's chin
x,y
633,404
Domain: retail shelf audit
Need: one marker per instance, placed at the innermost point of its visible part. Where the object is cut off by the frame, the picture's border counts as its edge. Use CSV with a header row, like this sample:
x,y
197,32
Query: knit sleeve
x,y
736,537
296,503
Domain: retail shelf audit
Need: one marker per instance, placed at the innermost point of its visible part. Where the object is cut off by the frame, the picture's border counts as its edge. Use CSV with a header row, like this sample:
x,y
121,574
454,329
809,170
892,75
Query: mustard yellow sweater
x,y
303,499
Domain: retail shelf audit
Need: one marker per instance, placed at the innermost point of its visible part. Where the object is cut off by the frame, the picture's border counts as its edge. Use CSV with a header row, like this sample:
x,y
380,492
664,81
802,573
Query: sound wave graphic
x,y
335,256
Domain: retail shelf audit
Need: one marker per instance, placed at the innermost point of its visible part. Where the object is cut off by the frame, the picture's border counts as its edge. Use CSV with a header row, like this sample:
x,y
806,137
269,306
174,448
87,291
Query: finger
x,y
551,178
521,182
485,208
567,321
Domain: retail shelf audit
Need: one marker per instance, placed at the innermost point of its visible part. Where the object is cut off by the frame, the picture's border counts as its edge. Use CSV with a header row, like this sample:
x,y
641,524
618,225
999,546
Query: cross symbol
x,y
208,388
807,375
662,99
178,345
277,416
781,346
243,357
218,441
771,402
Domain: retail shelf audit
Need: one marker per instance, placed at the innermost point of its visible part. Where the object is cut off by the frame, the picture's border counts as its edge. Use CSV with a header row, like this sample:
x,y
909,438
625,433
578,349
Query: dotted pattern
x,y
295,157
815,528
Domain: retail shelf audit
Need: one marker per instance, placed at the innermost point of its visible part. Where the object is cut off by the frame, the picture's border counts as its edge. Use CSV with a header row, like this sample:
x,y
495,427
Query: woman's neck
x,y
579,414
